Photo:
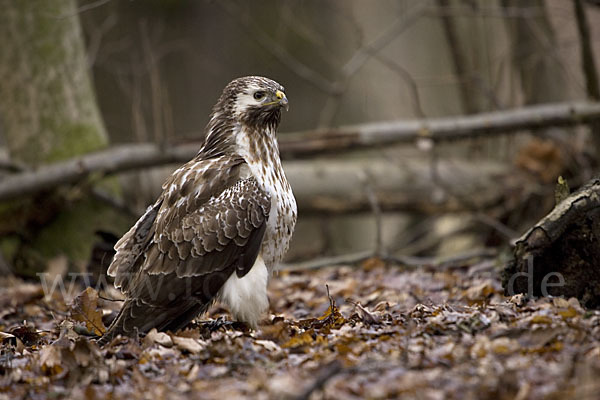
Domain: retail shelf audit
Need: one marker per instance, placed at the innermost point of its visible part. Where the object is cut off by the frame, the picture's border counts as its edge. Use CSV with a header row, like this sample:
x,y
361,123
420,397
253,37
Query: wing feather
x,y
186,222
131,246
197,234
176,258
167,275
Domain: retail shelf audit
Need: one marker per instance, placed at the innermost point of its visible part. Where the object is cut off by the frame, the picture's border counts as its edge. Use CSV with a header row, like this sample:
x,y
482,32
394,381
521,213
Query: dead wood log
x,y
560,255
303,144
345,186
116,159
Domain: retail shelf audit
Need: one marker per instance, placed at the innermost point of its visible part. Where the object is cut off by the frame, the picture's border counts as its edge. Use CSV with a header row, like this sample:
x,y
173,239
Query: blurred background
x,y
81,76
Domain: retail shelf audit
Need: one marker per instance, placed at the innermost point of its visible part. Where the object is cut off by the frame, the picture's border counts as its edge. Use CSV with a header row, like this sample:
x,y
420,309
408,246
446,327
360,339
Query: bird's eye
x,y
259,95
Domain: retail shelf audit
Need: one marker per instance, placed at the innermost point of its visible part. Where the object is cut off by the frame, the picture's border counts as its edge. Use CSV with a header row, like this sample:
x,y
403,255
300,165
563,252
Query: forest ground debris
x,y
339,332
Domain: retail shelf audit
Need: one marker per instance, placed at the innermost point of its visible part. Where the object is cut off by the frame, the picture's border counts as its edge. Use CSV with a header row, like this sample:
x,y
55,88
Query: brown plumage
x,y
221,224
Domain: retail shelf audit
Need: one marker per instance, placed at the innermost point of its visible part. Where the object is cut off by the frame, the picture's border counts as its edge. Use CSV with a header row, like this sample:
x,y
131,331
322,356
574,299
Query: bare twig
x,y
86,7
91,6
279,52
96,36
406,77
406,261
344,259
508,233
365,52
406,20
324,374
110,299
374,203
487,12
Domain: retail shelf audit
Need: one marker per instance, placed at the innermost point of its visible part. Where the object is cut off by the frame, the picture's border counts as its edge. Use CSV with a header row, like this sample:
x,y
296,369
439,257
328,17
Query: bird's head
x,y
251,101
255,101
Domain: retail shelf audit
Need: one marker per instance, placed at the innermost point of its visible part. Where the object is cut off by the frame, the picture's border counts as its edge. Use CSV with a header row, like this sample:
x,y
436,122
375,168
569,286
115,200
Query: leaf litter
x,y
369,331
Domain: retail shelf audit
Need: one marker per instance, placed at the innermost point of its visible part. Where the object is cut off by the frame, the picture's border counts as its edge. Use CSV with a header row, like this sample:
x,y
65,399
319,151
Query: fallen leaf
x,y
268,344
299,340
504,345
50,360
541,157
19,293
541,319
559,302
160,338
85,309
480,292
190,345
7,338
27,333
365,315
372,263
568,313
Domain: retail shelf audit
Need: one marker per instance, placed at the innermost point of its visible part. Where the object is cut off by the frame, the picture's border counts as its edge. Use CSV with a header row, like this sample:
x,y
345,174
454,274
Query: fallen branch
x,y
334,186
116,159
386,133
304,144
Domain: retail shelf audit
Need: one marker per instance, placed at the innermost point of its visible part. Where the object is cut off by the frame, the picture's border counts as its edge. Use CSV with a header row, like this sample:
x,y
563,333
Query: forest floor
x,y
375,331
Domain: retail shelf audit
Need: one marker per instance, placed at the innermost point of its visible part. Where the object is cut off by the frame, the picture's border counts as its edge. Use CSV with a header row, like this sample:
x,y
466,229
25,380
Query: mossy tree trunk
x,y
48,112
48,107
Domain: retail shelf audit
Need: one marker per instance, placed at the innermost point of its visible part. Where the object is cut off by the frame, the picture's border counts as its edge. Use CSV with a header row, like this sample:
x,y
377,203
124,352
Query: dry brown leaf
x,y
504,345
160,338
365,315
299,340
19,293
431,340
372,263
568,313
85,309
27,333
480,292
268,345
190,345
51,360
559,302
541,319
541,157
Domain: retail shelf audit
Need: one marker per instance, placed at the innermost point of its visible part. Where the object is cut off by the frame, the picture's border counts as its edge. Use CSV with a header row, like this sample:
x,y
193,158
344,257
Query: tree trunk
x,y
588,65
48,108
460,60
534,54
48,112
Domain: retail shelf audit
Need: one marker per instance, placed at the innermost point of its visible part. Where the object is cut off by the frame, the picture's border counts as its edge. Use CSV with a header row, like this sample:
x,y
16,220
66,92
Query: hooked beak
x,y
282,100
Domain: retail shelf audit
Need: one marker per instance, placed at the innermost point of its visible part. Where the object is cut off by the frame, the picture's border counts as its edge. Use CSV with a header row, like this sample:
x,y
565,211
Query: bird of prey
x,y
220,225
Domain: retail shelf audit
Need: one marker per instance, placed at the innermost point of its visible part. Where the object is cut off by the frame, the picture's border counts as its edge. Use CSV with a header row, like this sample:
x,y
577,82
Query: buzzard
x,y
220,225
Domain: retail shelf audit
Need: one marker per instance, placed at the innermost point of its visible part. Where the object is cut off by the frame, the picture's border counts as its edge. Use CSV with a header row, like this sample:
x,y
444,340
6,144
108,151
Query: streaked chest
x,y
265,165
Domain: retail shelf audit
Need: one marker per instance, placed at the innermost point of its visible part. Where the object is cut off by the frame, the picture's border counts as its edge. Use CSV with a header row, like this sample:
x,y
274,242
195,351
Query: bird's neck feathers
x,y
228,136
219,136
258,146
260,151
